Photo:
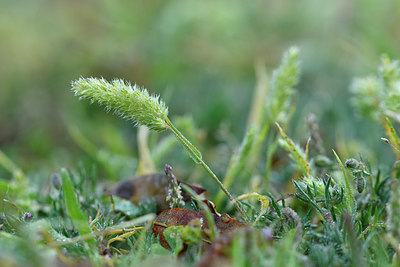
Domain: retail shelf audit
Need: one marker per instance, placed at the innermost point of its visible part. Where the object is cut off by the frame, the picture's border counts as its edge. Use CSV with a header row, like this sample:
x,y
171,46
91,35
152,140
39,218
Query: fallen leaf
x,y
182,217
149,186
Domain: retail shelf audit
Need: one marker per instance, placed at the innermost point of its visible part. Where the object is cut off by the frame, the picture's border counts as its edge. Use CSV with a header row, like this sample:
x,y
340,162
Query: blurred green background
x,y
199,55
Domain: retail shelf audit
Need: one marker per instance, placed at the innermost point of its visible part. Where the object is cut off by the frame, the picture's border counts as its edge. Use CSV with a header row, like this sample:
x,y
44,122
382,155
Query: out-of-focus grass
x,y
201,54
314,210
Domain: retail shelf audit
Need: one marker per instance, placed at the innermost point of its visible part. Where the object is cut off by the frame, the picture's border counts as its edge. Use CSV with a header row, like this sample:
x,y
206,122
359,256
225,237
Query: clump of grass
x,y
336,214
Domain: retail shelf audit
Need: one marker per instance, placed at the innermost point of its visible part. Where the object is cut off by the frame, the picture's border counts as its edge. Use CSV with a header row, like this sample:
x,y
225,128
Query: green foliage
x,y
251,248
180,236
264,203
78,218
172,235
379,94
132,211
364,90
320,220
298,155
114,164
393,218
390,73
193,152
206,57
346,179
239,160
281,91
212,232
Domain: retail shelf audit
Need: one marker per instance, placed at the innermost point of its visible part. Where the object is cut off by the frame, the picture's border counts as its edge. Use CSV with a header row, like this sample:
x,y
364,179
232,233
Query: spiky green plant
x,y
379,93
378,96
281,88
128,101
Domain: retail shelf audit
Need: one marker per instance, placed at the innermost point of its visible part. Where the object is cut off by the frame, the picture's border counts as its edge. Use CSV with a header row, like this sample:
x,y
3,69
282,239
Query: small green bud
x,y
322,161
352,163
360,184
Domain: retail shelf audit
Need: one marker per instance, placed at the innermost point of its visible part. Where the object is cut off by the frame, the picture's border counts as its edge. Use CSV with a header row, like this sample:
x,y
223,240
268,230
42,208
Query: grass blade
x,y
346,179
238,161
296,154
264,203
71,201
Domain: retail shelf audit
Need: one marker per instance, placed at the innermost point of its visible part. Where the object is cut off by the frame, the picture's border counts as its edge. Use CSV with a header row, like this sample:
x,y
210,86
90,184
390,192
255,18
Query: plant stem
x,y
196,156
192,150
221,185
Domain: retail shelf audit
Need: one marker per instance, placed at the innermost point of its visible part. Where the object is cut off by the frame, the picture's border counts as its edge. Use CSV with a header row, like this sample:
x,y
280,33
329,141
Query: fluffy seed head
x,y
126,100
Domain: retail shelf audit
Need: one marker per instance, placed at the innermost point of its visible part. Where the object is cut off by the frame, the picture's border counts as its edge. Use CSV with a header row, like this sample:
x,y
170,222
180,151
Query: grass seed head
x,y
126,100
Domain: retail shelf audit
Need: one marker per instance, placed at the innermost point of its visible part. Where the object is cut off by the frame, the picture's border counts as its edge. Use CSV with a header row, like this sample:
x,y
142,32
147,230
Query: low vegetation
x,y
332,211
